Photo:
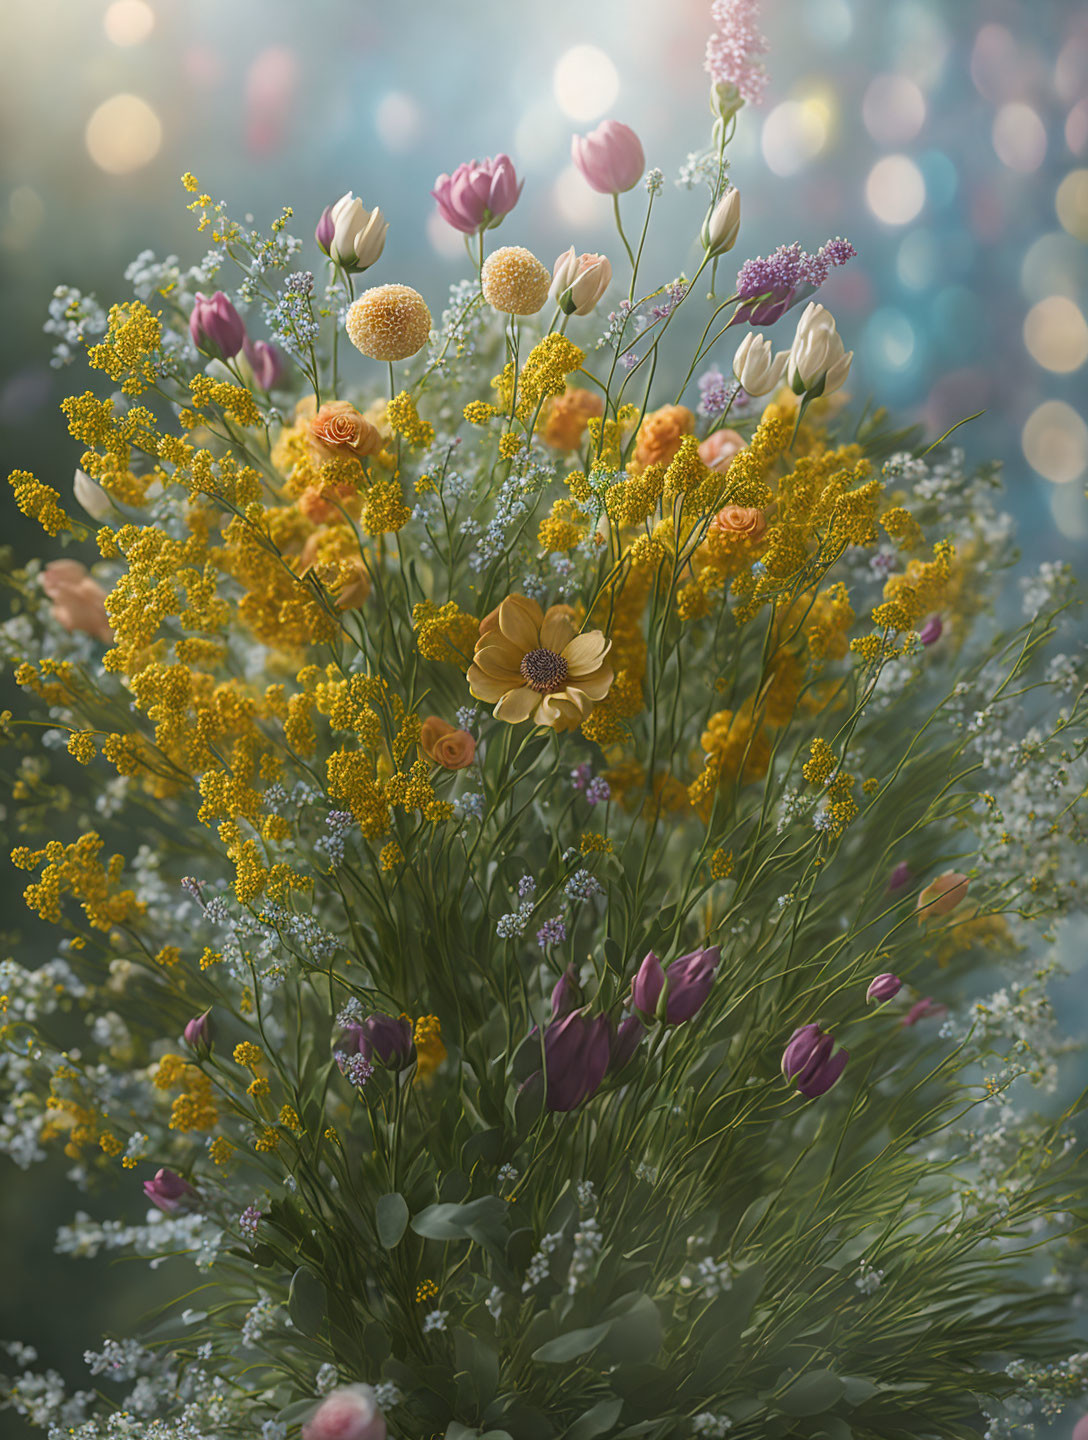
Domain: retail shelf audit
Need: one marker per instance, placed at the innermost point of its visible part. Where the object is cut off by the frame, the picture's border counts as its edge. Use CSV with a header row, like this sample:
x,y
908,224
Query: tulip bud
x,y
725,100
811,1061
756,368
358,234
818,363
647,986
478,195
576,1055
930,632
198,1032
941,896
722,226
216,327
610,158
883,987
350,1413
567,995
91,496
623,1042
677,994
382,1039
900,876
325,230
579,281
169,1192
266,362
924,1009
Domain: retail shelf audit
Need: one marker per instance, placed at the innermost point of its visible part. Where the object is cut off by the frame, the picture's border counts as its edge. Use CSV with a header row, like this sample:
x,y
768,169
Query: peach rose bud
x,y
78,600
451,748
739,522
339,429
941,896
717,450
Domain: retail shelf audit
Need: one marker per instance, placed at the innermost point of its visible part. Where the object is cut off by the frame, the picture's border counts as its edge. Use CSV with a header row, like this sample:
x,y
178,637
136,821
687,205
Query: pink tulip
x,y
478,194
266,362
216,327
611,157
348,1414
168,1191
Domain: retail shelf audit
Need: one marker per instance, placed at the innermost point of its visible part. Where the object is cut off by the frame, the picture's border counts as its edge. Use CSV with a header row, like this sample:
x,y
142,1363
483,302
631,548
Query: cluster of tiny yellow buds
x,y
820,764
633,501
425,485
266,1140
209,957
425,1291
445,632
869,648
109,1144
81,744
289,1119
430,1051
510,444
545,371
692,602
902,527
721,864
168,955
391,856
841,807
220,1150
130,353
563,528
404,420
260,1086
592,843
40,502
235,402
579,486
479,412
248,1054
647,552
686,470
870,785
385,511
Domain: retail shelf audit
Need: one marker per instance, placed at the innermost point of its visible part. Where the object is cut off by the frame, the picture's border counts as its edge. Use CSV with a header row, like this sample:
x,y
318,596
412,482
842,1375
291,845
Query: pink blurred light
x,y
270,89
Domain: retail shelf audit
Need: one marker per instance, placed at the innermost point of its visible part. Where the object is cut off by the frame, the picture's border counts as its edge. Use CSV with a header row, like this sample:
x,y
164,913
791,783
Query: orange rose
x,y
660,434
78,601
320,508
738,522
717,450
339,429
567,414
440,742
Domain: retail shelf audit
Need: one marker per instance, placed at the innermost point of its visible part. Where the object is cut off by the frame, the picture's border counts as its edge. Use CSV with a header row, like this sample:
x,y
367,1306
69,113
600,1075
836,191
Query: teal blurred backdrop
x,y
948,141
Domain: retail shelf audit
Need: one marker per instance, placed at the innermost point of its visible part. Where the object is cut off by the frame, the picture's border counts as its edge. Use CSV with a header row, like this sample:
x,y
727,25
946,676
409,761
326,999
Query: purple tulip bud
x,y
325,230
169,1191
647,985
576,1055
381,1039
478,194
216,327
900,876
623,1041
266,362
924,1009
567,995
883,987
808,1061
932,630
198,1032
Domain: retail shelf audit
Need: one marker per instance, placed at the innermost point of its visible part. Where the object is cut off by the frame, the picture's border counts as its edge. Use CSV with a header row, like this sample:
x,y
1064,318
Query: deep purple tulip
x,y
198,1032
266,362
325,230
216,327
169,1191
567,995
384,1040
478,194
883,987
688,981
900,876
623,1041
808,1061
932,630
576,1055
767,309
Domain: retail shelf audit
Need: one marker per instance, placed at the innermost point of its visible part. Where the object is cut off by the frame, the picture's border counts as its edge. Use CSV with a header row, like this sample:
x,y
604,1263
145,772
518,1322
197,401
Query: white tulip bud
x,y
358,237
725,100
818,362
756,367
579,281
91,496
722,226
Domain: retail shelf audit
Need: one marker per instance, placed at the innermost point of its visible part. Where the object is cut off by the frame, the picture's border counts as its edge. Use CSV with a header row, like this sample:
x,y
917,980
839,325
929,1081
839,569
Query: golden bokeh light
x,y
123,134
1055,442
1055,334
128,22
1071,203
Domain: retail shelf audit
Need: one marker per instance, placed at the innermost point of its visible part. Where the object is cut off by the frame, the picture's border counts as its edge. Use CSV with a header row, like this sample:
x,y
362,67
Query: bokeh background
x,y
948,139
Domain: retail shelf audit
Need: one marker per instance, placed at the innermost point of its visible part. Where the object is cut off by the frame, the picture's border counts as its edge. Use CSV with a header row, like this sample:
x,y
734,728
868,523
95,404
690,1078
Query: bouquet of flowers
x,y
558,916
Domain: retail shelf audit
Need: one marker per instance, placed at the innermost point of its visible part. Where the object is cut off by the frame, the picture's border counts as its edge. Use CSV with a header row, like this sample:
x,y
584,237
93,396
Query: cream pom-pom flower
x,y
389,322
534,665
514,281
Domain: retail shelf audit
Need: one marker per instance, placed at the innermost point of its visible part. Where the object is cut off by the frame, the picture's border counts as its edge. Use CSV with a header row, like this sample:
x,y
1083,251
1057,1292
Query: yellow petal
x,y
557,629
516,705
586,651
596,685
487,687
520,621
501,659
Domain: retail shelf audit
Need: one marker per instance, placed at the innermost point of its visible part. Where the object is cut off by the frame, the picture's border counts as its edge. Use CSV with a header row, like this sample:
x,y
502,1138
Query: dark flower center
x,y
544,670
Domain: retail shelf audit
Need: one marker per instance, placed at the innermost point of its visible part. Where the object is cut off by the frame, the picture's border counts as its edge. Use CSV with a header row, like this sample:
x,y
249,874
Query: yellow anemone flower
x,y
534,665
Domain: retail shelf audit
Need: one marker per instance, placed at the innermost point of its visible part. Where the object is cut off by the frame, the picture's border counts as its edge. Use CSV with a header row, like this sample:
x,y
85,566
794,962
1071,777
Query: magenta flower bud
x,y
883,987
610,158
811,1062
169,1192
689,981
478,195
382,1039
767,309
216,327
924,1009
567,995
198,1032
325,230
647,985
576,1055
350,1413
902,875
266,362
932,630
623,1041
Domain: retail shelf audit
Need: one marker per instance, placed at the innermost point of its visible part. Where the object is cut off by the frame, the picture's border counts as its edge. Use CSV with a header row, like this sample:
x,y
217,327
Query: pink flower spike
x,y
733,49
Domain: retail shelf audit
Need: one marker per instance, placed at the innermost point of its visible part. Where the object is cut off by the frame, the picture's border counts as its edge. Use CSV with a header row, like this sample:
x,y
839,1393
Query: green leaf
x,y
457,1431
636,1332
306,1301
858,1389
811,1394
439,1222
571,1345
596,1421
834,1427
480,1363
296,1411
391,1216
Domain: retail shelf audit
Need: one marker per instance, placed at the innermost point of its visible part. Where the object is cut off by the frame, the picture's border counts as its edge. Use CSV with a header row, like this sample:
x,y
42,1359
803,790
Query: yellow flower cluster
x,y
563,528
430,1051
76,871
909,597
404,420
545,373
445,632
235,401
39,502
